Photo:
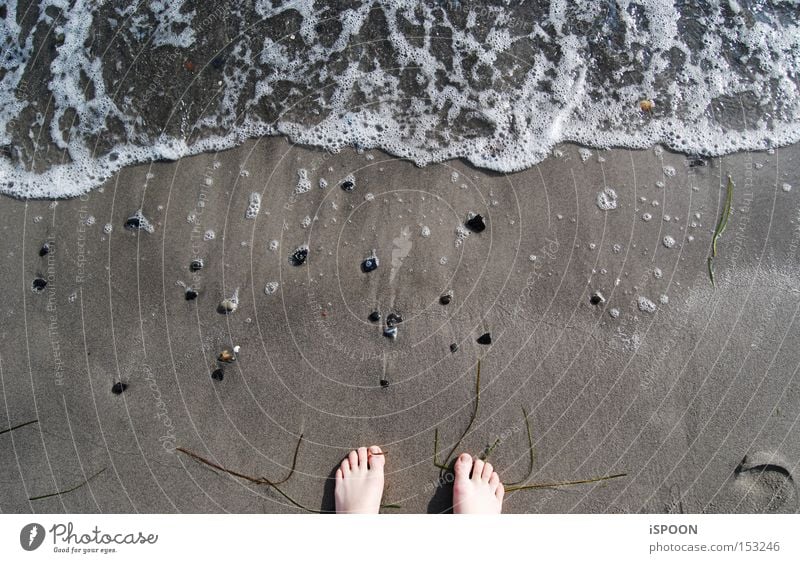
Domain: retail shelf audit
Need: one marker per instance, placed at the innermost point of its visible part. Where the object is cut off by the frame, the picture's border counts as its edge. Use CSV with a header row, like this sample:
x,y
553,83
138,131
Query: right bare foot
x,y
477,488
359,482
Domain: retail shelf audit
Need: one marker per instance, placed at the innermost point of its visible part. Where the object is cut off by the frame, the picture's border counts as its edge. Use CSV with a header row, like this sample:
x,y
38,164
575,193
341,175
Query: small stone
x,y
485,339
454,347
597,298
384,383
236,349
218,374
390,332
38,285
226,356
393,319
190,294
228,306
374,317
298,257
348,185
370,264
476,224
446,298
196,265
118,388
45,250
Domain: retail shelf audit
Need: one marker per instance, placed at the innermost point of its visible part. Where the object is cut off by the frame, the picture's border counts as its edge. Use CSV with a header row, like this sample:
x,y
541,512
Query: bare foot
x,y
359,482
480,493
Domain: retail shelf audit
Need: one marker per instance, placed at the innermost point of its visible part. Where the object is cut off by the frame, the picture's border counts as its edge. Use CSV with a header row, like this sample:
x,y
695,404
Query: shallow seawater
x,y
87,89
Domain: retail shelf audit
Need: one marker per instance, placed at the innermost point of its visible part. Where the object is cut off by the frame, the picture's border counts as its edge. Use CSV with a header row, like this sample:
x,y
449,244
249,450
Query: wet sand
x,y
697,402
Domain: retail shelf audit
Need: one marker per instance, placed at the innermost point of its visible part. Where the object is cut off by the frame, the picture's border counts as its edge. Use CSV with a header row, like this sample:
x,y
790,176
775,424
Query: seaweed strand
x,y
531,452
564,483
448,460
19,426
75,488
721,224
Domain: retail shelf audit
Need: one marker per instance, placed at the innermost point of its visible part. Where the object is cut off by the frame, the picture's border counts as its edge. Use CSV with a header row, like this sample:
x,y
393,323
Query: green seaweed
x,y
516,485
75,488
721,224
19,426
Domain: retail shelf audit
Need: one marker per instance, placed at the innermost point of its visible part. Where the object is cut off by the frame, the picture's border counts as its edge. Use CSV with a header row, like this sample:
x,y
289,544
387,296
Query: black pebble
x,y
369,264
476,224
118,388
348,186
299,256
454,347
132,223
191,294
393,319
384,383
445,299
38,285
597,298
485,338
374,317
697,161
218,374
45,250
196,265
390,332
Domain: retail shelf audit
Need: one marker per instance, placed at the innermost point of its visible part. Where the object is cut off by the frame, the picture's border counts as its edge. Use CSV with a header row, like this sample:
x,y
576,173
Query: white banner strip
x,y
621,538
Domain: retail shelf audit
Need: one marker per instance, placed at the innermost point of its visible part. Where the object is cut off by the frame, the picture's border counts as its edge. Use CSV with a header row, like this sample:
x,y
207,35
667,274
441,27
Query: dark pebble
x,y
476,224
597,298
369,264
191,294
485,339
374,317
45,250
133,223
384,383
390,332
218,374
697,161
454,347
445,299
118,388
196,264
348,186
393,319
38,285
299,256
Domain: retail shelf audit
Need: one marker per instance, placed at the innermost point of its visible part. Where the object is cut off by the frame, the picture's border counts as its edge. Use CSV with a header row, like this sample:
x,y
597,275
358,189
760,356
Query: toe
x,y
339,474
462,467
362,457
500,492
494,481
345,466
477,469
487,472
376,461
353,457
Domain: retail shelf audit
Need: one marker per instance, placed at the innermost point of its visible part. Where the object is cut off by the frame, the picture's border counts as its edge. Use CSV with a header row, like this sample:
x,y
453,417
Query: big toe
x,y
376,458
463,467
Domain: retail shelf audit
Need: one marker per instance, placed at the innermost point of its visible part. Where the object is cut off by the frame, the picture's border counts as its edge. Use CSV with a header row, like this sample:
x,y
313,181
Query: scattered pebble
x,y
271,287
657,273
384,383
107,228
231,304
426,232
597,298
138,222
393,319
613,313
196,265
348,184
38,285
786,187
323,183
209,235
190,294
226,356
390,332
273,245
645,305
607,199
253,206
370,263
374,316
118,388
485,339
454,348
476,224
45,249
446,298
218,374
303,183
298,257
668,241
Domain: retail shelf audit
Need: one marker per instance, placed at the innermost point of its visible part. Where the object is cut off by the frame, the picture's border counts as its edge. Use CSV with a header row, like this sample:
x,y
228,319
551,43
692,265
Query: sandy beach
x,y
604,327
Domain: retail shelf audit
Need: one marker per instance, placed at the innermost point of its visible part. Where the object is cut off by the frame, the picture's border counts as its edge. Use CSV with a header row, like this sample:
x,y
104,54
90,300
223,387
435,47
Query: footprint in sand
x,y
763,484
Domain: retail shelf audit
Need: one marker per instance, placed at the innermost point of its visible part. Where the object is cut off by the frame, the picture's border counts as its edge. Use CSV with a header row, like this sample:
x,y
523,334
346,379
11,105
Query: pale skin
x,y
359,484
